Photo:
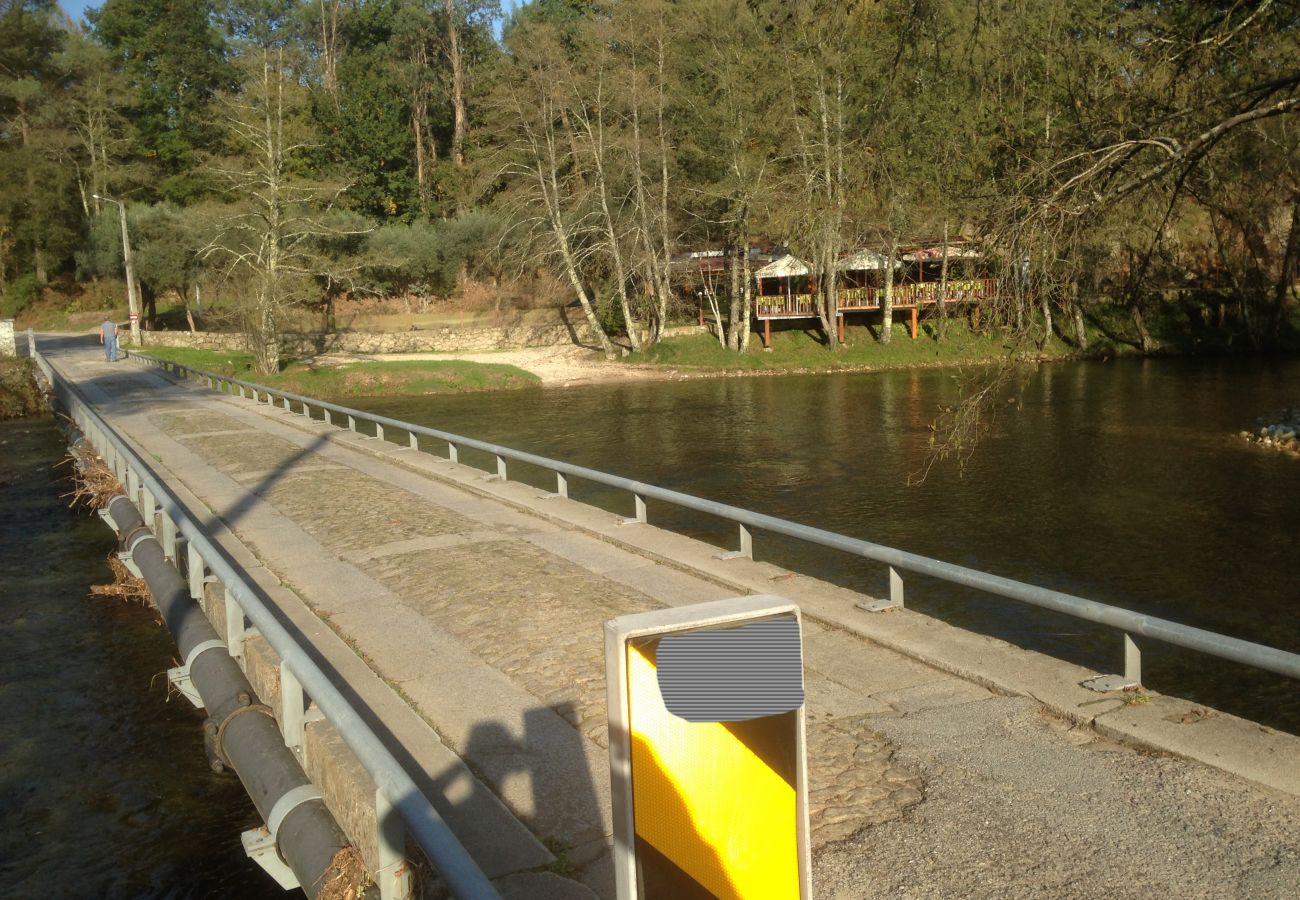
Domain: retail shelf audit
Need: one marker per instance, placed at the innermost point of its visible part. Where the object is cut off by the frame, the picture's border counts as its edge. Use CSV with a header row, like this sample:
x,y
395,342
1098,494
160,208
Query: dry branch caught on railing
x,y
346,878
125,587
95,485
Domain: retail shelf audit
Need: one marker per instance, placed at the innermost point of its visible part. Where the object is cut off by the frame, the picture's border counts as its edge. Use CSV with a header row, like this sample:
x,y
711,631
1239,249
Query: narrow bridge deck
x,y
479,606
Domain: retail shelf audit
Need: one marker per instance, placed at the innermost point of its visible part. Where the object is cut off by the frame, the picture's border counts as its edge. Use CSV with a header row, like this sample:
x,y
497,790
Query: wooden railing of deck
x,y
804,306
927,292
793,306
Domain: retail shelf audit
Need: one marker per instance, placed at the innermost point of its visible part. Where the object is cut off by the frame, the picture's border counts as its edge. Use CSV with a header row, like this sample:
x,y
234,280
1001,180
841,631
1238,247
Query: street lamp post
x,y
132,305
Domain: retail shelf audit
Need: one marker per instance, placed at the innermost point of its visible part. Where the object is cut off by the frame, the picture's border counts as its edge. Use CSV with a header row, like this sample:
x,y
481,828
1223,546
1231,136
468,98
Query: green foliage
x,y
429,258
176,61
1066,135
369,379
167,240
100,253
18,394
18,294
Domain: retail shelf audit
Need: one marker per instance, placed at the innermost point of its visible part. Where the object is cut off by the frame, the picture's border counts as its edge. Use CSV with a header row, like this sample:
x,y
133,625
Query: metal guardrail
x,y
300,677
1129,623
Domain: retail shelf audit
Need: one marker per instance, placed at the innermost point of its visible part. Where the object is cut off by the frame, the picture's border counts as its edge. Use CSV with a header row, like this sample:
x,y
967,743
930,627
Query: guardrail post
x,y
746,550
561,485
394,873
1132,660
895,600
414,441
352,423
326,417
895,588
379,431
452,453
132,487
235,630
168,538
291,708
150,510
194,571
242,393
501,469
306,411
640,517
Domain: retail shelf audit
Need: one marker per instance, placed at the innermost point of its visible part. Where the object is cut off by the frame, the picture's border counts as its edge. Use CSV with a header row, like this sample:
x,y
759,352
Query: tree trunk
x,y
943,285
1144,336
733,319
1286,275
550,194
1045,304
329,39
38,251
457,89
419,112
1076,309
747,295
887,304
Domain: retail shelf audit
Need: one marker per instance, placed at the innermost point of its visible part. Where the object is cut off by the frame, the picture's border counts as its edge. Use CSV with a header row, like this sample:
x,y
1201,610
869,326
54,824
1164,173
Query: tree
x,y
268,242
95,96
175,61
30,43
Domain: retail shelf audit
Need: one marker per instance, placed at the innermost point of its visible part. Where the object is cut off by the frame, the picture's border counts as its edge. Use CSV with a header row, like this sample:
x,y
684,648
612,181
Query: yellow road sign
x,y
714,805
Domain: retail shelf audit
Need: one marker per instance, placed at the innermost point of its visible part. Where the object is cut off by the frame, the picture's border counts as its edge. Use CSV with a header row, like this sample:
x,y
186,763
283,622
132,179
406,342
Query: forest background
x,y
1118,160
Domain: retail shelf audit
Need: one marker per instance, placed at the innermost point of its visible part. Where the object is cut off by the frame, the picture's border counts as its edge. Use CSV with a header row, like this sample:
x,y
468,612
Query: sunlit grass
x,y
358,379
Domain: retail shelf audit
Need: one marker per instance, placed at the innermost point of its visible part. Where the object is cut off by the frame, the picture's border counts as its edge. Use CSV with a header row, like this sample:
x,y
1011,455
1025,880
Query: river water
x,y
104,788
1123,482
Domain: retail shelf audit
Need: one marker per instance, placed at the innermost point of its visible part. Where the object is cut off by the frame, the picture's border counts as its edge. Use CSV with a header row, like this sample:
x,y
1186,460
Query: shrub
x,y
21,291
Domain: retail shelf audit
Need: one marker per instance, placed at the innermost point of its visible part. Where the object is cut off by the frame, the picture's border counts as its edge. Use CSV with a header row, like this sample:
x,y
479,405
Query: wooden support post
x,y
913,323
767,334
840,317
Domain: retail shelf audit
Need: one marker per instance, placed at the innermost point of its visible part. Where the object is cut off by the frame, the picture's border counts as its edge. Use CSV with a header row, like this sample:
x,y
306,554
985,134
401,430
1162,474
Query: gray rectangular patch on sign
x,y
732,674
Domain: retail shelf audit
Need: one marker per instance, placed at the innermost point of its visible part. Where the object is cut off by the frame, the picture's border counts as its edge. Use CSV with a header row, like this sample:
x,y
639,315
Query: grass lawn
x,y
362,379
800,350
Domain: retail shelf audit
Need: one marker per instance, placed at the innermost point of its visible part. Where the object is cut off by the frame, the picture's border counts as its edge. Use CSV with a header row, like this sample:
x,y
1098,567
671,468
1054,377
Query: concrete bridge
x,y
460,614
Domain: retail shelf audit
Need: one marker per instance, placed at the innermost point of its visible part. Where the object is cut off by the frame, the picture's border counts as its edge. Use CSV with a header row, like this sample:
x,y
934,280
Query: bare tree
x,y
266,242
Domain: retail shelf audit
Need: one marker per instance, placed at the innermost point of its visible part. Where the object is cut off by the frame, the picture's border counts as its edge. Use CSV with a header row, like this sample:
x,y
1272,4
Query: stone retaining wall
x,y
8,346
433,340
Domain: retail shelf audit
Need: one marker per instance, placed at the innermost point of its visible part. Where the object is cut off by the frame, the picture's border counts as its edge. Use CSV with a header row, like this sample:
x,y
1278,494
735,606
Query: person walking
x,y
108,337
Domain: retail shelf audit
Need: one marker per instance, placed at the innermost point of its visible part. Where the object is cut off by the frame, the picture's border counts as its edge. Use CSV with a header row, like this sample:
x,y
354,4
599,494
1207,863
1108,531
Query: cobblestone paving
x,y
197,421
240,453
537,618
346,510
851,779
529,613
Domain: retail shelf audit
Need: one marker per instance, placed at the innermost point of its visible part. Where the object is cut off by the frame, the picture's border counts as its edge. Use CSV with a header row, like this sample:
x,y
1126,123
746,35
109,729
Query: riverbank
x,y
332,378
695,356
338,375
19,396
1280,431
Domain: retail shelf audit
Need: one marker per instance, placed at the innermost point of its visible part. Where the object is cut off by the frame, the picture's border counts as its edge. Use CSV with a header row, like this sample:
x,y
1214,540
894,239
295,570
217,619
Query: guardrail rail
x,y
1130,624
300,677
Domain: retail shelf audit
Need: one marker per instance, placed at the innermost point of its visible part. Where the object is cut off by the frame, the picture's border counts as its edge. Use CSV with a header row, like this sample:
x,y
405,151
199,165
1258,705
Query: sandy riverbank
x,y
556,366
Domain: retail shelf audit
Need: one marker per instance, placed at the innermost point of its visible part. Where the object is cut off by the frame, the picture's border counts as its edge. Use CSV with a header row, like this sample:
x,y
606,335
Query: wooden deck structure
x,y
785,289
